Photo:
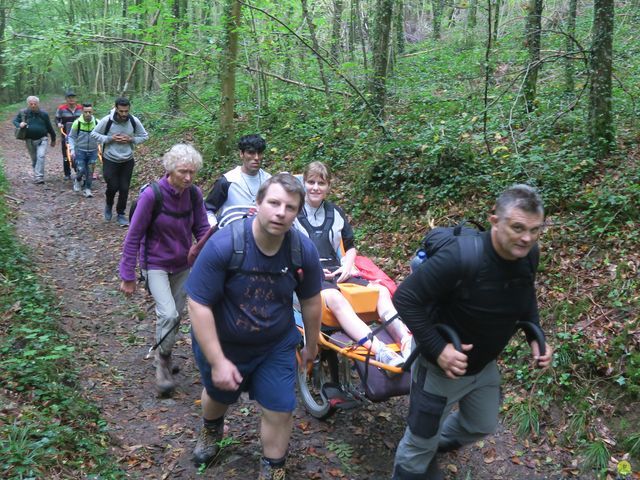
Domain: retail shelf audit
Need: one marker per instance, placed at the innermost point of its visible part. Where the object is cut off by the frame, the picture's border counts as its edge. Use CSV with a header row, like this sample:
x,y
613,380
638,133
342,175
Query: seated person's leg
x,y
397,328
356,328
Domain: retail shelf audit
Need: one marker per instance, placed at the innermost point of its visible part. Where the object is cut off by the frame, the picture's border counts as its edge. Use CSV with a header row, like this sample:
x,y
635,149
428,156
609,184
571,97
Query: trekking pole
x,y
159,342
66,143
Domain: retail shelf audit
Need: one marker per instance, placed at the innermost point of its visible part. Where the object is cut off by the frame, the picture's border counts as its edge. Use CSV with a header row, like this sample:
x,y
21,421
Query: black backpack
x,y
107,127
157,205
237,257
471,250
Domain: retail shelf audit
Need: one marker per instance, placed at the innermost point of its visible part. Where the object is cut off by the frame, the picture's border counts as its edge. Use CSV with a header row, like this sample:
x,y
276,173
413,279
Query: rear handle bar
x,y
452,337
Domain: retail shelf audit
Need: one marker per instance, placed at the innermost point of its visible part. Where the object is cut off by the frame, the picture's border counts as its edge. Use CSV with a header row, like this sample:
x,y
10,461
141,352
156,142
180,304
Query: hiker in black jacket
x,y
38,125
483,310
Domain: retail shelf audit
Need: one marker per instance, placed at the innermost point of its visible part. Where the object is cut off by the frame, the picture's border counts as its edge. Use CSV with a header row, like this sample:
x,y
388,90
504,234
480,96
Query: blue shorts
x,y
270,378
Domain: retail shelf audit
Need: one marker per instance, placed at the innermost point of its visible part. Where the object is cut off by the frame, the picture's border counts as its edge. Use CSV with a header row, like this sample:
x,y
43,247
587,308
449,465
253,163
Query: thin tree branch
x,y
331,66
293,82
193,96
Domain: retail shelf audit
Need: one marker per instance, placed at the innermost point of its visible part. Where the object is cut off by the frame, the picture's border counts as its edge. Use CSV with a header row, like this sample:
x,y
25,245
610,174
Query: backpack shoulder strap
x,y
193,191
133,123
470,255
237,233
296,252
534,260
157,204
107,127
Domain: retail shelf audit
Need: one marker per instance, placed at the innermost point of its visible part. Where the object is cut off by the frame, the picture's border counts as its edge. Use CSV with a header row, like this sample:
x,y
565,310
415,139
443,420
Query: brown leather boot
x,y
164,379
207,446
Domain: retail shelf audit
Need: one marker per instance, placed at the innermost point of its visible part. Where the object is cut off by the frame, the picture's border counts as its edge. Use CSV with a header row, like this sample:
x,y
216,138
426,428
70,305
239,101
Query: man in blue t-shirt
x,y
244,333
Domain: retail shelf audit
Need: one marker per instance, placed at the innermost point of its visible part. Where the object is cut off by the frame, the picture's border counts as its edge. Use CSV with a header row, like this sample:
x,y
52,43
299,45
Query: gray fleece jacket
x,y
114,151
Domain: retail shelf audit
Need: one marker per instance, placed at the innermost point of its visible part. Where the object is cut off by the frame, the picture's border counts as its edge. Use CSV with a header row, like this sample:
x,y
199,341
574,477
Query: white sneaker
x,y
406,346
87,193
76,186
389,357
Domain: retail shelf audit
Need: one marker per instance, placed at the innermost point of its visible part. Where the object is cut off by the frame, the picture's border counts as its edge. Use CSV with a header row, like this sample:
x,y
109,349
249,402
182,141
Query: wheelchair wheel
x,y
324,371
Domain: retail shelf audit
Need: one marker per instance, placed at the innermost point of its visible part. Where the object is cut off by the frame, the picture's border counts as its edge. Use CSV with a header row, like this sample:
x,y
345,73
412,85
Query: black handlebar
x,y
452,337
447,332
536,332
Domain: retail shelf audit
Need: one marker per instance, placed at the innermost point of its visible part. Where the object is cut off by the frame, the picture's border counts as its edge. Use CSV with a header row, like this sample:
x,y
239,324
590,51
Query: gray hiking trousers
x,y
432,397
168,292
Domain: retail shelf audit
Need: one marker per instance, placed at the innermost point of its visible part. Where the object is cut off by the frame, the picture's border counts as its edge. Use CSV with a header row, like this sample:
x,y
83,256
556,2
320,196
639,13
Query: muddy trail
x,y
76,253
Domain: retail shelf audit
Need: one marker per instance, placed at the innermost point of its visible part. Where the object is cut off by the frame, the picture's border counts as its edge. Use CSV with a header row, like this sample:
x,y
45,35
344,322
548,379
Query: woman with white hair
x,y
168,214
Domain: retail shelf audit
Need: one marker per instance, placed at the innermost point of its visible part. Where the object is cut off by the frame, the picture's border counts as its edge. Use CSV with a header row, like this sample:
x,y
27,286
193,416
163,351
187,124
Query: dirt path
x,y
77,254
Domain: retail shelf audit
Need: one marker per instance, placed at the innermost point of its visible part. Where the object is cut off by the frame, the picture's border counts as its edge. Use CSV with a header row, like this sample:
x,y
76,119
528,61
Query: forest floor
x,y
76,253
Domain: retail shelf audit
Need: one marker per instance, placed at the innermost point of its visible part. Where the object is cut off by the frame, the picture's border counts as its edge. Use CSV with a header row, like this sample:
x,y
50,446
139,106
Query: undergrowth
x,y
47,429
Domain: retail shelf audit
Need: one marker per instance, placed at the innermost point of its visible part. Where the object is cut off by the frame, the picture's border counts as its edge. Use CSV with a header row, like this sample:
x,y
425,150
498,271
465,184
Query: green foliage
x,y
596,457
344,452
525,418
632,444
46,422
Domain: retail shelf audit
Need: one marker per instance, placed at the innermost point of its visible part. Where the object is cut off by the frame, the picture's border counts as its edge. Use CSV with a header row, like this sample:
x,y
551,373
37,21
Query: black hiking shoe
x,y
434,472
207,445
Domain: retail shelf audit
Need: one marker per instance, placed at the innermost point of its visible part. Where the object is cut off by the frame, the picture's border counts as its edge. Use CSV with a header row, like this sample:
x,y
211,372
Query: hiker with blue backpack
x,y
167,216
119,133
480,285
244,335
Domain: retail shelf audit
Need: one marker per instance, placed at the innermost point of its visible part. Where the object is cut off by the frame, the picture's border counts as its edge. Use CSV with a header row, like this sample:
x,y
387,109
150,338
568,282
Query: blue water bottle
x,y
418,260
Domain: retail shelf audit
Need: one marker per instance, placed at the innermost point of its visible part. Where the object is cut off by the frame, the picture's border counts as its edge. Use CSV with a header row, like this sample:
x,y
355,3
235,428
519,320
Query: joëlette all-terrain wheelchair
x,y
345,374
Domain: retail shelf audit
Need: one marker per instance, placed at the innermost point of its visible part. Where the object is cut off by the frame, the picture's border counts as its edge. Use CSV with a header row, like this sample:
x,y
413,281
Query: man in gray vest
x,y
233,195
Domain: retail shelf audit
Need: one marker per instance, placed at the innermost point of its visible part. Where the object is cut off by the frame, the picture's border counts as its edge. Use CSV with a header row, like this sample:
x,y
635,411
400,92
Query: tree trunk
x,y
316,47
173,95
438,7
226,133
399,26
384,14
472,16
532,29
496,19
123,53
338,7
569,79
601,128
4,95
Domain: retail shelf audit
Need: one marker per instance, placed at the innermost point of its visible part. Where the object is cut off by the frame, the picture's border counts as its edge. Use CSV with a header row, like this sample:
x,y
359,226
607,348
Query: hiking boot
x,y
122,220
164,380
445,446
39,181
268,472
88,193
434,472
207,445
76,185
108,212
389,357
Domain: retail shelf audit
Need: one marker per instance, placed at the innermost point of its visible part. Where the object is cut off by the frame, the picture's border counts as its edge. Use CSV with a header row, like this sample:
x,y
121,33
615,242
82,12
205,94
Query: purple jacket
x,y
170,238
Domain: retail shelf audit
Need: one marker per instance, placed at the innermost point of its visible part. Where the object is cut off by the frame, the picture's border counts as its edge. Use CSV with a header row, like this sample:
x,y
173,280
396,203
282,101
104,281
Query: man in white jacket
x,y
118,132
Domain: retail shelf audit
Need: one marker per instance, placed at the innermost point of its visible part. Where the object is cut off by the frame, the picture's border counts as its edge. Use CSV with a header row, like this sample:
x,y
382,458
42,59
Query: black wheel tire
x,y
310,385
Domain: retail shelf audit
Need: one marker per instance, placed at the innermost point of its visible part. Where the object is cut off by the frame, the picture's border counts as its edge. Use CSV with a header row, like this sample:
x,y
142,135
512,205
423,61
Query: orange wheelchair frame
x,y
329,384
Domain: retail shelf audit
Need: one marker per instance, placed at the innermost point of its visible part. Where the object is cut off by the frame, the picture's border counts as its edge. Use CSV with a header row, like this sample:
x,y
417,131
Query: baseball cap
x,y
70,93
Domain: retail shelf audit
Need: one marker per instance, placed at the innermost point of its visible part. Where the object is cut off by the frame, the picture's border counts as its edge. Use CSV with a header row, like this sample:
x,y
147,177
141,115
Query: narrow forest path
x,y
76,254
